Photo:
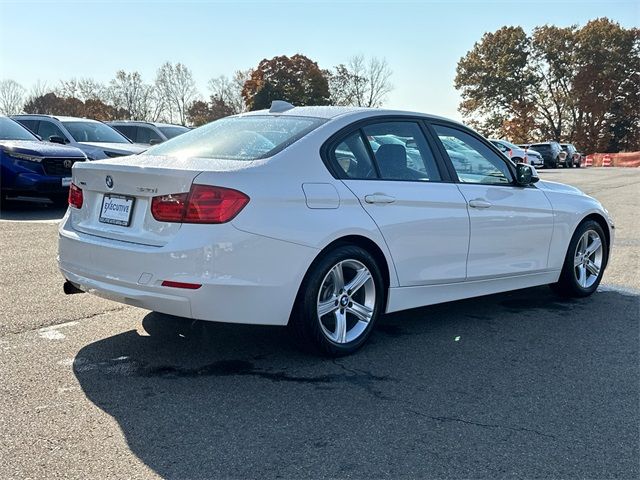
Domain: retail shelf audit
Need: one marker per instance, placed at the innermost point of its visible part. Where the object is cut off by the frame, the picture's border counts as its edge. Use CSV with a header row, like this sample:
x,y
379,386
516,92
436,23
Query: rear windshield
x,y
239,138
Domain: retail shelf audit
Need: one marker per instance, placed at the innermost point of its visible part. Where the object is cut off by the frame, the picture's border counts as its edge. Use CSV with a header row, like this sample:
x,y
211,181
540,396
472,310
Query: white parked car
x,y
96,139
517,153
288,217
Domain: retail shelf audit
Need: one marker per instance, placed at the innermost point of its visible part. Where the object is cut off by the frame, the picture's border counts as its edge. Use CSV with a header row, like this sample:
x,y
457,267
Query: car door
x,y
511,225
422,217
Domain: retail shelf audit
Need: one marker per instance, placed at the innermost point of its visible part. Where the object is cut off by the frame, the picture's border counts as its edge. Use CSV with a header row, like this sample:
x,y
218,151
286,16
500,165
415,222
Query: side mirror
x,y
57,139
154,141
526,174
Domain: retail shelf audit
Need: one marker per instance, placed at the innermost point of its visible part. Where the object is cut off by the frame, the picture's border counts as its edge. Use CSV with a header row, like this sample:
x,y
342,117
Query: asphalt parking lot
x,y
521,384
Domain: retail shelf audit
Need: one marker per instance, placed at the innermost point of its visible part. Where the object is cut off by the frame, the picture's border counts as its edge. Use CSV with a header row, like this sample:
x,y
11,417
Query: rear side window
x,y
128,131
239,138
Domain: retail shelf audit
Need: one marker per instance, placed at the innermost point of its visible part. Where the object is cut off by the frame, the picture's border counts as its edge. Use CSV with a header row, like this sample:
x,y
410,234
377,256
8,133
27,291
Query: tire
x,y
578,277
321,287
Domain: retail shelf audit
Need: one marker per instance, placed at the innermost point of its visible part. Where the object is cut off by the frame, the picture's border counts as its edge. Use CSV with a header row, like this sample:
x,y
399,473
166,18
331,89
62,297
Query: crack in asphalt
x,y
62,321
484,425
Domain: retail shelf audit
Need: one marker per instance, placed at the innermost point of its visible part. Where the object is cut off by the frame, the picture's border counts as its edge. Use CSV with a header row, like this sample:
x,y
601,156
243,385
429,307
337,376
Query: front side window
x,y
239,138
128,131
473,161
146,134
94,132
401,151
48,129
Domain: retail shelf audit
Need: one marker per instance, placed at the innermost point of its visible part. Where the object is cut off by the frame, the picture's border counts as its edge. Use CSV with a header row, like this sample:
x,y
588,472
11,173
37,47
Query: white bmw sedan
x,y
324,218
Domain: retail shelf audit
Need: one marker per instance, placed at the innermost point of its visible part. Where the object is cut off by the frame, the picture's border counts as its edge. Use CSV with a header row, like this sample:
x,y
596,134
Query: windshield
x,y
173,131
94,132
239,138
10,130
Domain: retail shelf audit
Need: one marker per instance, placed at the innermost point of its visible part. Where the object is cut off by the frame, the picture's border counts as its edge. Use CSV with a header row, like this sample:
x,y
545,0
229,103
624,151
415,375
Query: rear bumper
x,y
245,278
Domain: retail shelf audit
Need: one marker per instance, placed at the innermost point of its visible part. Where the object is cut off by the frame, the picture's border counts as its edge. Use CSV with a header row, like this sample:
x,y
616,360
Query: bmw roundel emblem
x,y
109,181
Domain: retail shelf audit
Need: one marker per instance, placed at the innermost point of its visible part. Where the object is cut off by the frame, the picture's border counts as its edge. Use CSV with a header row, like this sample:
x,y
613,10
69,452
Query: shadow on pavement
x,y
31,209
518,384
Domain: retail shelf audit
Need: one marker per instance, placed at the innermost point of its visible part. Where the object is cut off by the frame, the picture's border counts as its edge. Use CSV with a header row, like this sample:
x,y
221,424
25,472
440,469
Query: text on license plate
x,y
116,210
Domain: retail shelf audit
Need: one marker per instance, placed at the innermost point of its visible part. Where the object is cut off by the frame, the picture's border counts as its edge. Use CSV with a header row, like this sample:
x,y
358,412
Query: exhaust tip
x,y
71,288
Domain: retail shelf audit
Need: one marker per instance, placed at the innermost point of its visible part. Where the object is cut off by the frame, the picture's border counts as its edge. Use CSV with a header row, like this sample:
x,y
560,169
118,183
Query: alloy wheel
x,y
587,261
346,301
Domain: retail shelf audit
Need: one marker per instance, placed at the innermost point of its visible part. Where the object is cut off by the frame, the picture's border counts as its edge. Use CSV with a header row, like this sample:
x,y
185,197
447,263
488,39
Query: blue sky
x,y
422,41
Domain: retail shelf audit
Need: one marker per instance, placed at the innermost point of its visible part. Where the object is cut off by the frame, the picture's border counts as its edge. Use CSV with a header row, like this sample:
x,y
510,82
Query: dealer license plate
x,y
116,210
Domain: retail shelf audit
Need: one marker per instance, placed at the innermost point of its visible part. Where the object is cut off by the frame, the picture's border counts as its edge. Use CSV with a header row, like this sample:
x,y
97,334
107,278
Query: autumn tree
x,y
200,112
295,79
607,86
361,82
11,97
52,104
570,84
175,83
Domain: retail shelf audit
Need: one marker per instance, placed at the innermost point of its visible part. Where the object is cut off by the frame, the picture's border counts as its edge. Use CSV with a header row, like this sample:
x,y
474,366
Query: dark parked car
x,y
573,157
147,133
32,167
551,152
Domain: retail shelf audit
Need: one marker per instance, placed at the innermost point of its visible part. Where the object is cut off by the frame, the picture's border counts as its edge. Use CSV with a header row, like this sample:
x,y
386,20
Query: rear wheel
x,y
585,261
339,302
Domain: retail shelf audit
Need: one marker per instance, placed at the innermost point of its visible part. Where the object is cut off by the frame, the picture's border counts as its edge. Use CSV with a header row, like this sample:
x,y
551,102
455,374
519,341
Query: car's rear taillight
x,y
75,196
202,204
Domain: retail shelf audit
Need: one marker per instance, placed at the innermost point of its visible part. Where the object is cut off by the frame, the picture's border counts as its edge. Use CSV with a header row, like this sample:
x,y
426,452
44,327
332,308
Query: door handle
x,y
479,203
379,198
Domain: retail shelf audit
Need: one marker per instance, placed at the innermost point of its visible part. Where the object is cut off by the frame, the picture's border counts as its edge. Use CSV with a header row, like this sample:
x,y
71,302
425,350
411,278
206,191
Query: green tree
x,y
295,79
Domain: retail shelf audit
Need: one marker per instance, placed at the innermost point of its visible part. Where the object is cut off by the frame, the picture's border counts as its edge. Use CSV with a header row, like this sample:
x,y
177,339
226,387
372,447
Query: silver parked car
x,y
147,133
96,139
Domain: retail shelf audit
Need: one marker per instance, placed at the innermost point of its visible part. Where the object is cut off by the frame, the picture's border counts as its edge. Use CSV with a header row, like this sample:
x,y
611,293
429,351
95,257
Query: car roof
x,y
142,122
332,112
56,117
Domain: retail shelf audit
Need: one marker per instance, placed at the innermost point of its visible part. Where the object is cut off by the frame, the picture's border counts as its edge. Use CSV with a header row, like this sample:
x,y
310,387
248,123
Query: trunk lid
x,y
139,178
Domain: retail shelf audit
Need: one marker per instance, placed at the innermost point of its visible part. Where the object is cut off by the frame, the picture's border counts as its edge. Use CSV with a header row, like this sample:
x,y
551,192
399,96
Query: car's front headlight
x,y
23,156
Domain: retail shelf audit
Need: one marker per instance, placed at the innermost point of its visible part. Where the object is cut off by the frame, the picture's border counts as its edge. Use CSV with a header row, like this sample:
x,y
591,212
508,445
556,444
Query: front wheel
x,y
585,261
339,302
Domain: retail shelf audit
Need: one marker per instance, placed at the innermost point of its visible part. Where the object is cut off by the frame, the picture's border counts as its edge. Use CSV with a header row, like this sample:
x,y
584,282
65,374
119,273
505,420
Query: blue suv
x,y
29,166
